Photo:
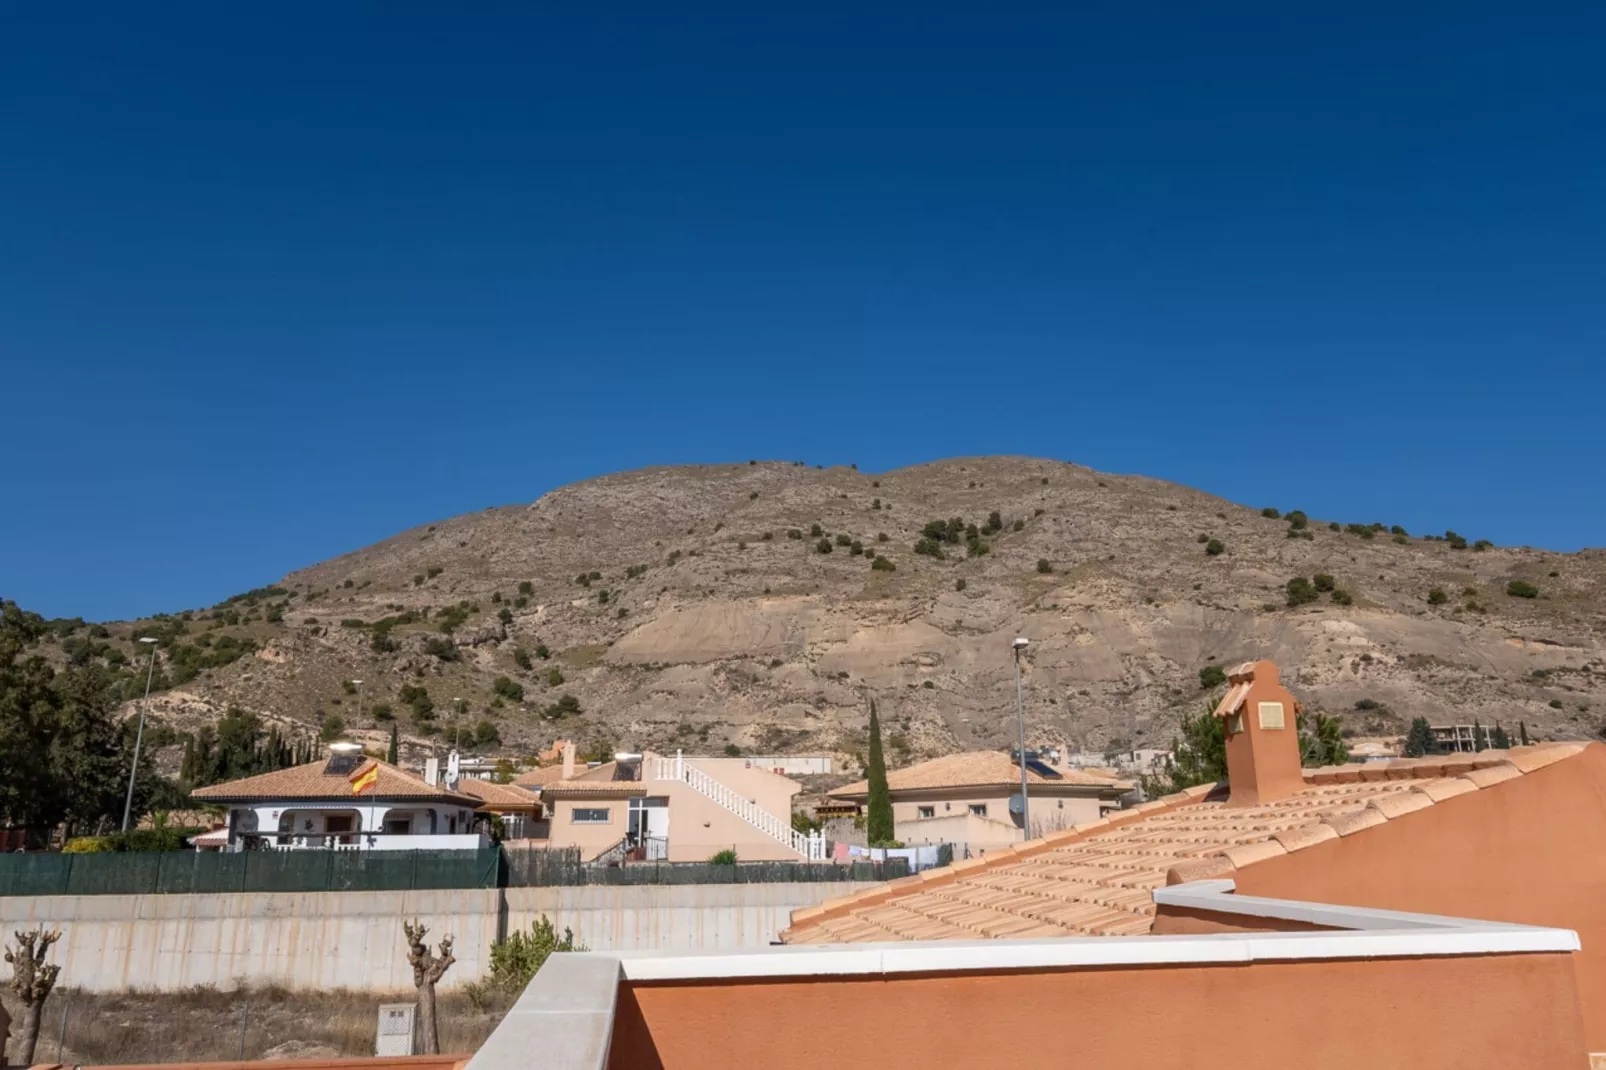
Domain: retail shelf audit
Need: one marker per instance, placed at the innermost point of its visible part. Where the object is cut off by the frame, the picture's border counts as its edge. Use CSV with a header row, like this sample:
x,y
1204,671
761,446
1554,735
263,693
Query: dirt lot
x,y
205,1024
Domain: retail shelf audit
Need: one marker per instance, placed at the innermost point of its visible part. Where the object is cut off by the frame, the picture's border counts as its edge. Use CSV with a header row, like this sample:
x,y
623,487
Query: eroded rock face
x,y
675,622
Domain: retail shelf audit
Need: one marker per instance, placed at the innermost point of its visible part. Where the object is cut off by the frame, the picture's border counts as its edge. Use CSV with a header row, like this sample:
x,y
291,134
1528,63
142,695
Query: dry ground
x,y
204,1024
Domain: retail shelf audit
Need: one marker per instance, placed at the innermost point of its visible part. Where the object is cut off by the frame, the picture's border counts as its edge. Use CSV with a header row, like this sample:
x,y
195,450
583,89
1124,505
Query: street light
x,y
1019,647
139,733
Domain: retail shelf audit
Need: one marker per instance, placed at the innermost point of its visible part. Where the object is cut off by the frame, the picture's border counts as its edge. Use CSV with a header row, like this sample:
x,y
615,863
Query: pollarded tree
x,y
31,980
428,968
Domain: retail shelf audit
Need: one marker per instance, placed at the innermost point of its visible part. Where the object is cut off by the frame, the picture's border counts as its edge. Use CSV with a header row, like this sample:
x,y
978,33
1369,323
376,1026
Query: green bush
x,y
508,689
883,564
1482,544
542,651
794,533
505,615
1215,547
334,726
823,546
1300,591
1522,589
1203,538
554,676
856,548
732,751
1043,566
486,734
1270,513
844,540
1437,597
1397,530
815,531
959,584
727,857
515,961
526,588
1322,581
1342,597
1020,525
521,658
929,547
444,649
1334,526
1211,676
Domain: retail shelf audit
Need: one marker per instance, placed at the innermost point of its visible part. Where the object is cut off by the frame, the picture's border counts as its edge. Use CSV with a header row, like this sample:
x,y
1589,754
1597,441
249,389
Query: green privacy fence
x,y
523,868
193,872
206,872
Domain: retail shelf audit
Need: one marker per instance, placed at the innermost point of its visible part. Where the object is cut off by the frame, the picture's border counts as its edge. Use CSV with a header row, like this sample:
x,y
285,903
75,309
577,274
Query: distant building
x,y
681,809
344,802
1456,738
964,799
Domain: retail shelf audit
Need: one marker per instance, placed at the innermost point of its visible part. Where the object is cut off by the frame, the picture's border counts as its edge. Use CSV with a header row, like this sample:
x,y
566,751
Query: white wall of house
x,y
414,827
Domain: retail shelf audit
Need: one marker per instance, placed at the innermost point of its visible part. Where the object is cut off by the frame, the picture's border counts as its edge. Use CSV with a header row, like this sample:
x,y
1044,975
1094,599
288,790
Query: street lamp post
x,y
1019,647
139,733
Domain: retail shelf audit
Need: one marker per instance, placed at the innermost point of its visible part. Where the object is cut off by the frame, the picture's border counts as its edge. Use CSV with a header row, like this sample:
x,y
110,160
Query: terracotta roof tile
x,y
312,781
492,794
1098,878
979,769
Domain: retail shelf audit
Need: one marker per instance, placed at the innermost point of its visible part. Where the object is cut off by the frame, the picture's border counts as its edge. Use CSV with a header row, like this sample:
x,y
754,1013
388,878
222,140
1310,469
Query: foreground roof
x,y
1098,878
313,781
979,769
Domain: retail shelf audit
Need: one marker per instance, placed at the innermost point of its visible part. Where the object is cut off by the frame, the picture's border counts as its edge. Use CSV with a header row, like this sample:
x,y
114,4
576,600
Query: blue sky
x,y
277,285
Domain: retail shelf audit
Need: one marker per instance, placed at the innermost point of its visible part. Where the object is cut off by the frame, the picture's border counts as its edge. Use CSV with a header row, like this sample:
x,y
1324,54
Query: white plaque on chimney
x,y
1271,715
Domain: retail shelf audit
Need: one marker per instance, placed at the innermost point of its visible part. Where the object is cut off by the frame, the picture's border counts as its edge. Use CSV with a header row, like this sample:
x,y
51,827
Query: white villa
x,y
346,802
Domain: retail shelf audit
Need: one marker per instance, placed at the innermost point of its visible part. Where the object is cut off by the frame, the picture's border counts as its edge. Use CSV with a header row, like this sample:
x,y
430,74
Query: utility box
x,y
395,1029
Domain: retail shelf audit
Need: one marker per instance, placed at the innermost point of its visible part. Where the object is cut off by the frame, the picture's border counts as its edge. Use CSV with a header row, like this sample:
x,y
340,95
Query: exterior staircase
x,y
810,847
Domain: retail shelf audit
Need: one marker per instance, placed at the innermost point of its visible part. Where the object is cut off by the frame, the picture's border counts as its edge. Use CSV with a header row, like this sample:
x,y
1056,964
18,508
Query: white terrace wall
x,y
353,939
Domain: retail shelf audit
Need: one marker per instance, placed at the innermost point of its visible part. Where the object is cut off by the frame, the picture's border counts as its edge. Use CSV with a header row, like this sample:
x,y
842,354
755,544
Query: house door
x,y
649,827
339,824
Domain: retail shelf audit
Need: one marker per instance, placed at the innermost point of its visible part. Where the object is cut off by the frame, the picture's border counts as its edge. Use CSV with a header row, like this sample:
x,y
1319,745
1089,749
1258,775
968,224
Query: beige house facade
x,y
963,799
677,809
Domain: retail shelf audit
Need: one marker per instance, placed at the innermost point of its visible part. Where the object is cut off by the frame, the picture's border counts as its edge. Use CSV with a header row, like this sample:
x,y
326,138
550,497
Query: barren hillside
x,y
694,607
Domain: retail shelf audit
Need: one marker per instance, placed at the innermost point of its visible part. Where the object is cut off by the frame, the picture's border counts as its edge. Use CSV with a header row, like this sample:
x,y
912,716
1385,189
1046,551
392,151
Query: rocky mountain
x,y
762,605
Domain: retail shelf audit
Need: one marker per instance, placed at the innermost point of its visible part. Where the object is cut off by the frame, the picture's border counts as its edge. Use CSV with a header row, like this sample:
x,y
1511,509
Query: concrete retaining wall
x,y
354,940
703,917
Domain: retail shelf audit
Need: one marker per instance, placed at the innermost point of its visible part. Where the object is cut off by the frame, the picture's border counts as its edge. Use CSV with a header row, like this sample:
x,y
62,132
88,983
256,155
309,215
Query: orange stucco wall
x,y
1468,1013
1529,850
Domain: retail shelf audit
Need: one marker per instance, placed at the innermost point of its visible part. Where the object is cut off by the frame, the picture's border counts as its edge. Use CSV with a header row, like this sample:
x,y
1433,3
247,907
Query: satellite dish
x,y
1017,804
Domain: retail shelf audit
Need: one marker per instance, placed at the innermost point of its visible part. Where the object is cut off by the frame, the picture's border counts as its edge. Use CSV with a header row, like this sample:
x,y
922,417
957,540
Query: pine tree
x,y
392,753
1522,732
1419,740
878,822
1480,741
1500,741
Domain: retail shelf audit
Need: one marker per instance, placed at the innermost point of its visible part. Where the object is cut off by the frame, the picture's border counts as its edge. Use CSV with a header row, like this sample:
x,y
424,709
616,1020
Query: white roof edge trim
x,y
1357,933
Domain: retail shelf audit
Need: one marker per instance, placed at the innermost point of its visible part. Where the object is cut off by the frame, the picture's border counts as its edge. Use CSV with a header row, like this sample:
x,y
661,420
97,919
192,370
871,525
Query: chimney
x,y
568,761
1262,738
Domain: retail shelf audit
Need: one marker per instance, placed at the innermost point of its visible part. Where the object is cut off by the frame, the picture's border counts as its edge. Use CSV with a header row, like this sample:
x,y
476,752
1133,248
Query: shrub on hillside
x,y
823,546
1214,547
1211,676
882,564
1322,581
508,689
1270,513
1300,591
1522,589
1044,566
1437,597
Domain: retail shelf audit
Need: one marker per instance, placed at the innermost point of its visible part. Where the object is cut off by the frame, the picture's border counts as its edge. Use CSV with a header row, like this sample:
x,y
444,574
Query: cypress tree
x,y
392,753
1500,741
1522,732
878,821
1480,741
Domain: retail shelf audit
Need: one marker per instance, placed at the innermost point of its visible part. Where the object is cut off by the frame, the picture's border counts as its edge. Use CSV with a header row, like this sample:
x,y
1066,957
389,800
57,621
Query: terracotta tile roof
x,y
1097,879
493,795
535,778
310,781
978,769
594,789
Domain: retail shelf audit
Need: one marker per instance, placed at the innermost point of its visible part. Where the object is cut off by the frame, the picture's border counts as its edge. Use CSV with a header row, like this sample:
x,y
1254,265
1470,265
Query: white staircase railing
x,y
811,846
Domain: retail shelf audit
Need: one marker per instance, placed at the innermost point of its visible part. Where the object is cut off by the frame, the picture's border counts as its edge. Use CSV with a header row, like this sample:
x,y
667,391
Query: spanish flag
x,y
365,778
